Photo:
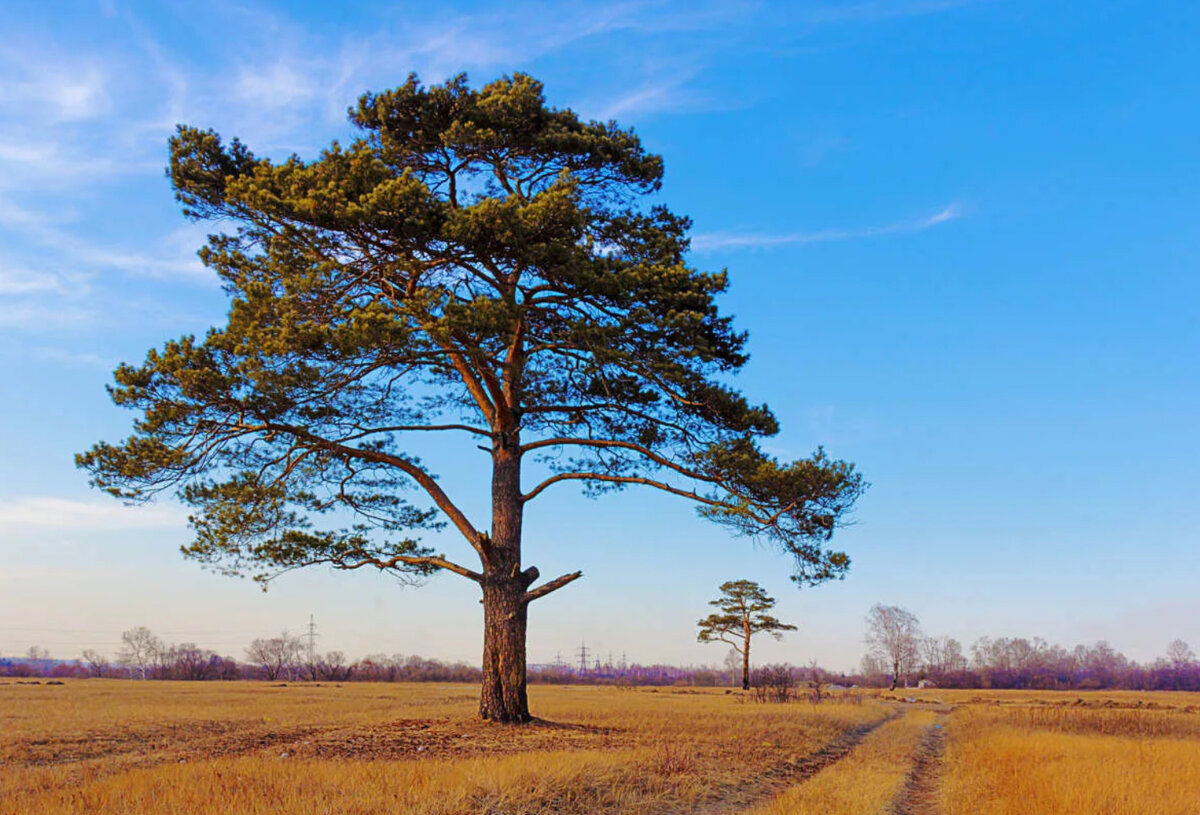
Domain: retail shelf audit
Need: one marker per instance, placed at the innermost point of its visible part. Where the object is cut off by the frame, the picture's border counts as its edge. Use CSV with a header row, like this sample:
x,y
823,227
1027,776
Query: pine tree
x,y
742,614
476,266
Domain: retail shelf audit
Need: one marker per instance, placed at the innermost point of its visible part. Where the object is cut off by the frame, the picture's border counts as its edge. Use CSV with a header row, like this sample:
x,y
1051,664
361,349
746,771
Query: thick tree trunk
x,y
503,696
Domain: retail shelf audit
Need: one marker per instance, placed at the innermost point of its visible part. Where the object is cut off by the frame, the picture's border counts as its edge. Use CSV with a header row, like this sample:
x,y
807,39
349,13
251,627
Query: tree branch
x,y
552,585
623,445
424,479
401,428
623,479
411,560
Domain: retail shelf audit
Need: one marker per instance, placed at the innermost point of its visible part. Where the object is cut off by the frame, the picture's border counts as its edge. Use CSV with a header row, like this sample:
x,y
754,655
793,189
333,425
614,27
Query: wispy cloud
x,y
38,512
747,240
280,84
78,359
659,94
170,255
43,300
869,11
68,90
25,281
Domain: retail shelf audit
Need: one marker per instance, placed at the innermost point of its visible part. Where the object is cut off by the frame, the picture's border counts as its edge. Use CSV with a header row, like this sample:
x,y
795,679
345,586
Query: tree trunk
x,y
503,697
746,653
746,666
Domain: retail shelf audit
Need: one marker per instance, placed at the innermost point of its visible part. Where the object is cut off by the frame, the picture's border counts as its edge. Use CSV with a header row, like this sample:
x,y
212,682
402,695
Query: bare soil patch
x,y
447,738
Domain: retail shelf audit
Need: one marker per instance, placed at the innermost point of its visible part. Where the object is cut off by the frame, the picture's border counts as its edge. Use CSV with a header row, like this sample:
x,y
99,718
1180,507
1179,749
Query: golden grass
x,y
1066,698
259,785
1015,761
131,747
864,783
115,746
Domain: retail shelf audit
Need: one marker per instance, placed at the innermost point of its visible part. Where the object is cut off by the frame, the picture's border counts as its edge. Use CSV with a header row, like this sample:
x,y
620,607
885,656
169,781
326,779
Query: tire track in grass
x,y
920,793
772,782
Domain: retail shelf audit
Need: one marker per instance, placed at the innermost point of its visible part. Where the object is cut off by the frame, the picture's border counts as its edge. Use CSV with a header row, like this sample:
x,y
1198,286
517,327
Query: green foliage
x,y
741,613
476,263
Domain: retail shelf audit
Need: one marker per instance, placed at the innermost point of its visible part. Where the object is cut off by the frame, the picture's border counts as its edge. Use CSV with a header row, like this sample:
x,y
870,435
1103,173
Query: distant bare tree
x,y
893,634
332,667
36,652
1180,654
97,664
733,661
190,661
743,606
381,667
277,656
872,665
139,650
814,678
942,655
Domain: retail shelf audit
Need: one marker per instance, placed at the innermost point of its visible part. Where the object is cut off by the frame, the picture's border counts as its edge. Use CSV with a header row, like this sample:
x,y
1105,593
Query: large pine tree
x,y
476,265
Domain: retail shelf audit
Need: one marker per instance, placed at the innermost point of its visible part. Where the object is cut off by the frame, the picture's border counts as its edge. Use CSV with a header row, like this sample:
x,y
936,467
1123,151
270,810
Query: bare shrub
x,y
672,758
774,683
814,681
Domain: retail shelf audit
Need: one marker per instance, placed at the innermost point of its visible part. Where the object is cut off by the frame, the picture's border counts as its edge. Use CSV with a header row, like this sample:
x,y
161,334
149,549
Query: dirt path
x,y
920,793
771,783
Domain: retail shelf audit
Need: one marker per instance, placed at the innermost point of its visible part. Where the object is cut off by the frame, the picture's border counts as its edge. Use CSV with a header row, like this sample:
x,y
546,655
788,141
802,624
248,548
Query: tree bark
x,y
503,698
746,655
505,609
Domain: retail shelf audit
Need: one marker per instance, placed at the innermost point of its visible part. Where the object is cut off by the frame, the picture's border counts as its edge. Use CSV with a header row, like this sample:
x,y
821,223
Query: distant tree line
x,y
286,658
145,656
1000,663
899,653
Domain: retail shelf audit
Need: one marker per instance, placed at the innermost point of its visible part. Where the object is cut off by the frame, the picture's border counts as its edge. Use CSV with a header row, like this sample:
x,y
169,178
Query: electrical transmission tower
x,y
312,640
582,651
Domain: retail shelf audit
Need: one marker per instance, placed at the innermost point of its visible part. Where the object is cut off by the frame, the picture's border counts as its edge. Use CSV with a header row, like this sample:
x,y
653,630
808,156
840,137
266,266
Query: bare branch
x,y
552,585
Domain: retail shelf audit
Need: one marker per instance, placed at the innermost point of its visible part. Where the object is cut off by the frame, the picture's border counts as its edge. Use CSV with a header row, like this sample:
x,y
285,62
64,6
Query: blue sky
x,y
962,236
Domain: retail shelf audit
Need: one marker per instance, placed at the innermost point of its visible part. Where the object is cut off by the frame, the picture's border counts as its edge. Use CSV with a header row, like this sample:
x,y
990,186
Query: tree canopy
x,y
893,637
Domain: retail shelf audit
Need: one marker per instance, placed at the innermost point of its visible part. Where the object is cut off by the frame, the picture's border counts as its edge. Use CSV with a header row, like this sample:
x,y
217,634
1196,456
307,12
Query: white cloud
x,y
869,11
660,95
85,359
78,97
42,316
171,255
24,281
70,514
727,240
39,299
70,90
279,84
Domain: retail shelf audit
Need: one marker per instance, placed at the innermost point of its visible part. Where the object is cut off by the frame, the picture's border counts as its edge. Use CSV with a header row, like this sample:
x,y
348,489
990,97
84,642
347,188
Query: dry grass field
x,y
158,747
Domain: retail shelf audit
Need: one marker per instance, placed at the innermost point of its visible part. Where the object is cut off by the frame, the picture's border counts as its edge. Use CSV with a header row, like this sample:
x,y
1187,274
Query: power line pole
x,y
582,651
312,640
